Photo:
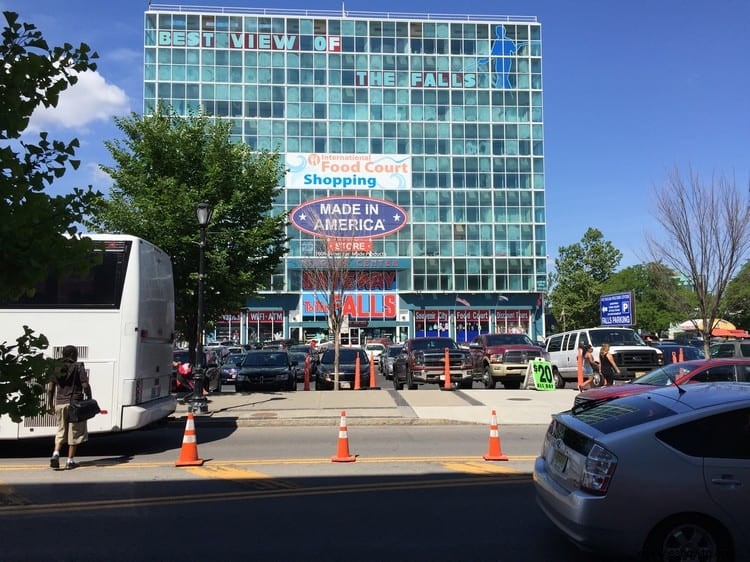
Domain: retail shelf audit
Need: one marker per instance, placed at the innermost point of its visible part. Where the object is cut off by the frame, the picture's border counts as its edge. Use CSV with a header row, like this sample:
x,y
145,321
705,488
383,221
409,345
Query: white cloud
x,y
90,99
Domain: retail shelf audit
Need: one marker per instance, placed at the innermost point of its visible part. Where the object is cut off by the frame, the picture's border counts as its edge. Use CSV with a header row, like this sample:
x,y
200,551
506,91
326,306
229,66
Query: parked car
x,y
374,350
633,357
386,361
734,348
230,367
689,352
503,358
267,368
422,361
701,370
663,474
325,375
300,358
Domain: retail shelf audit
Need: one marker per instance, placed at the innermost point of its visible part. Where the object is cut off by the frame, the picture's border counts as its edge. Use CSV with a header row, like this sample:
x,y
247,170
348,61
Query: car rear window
x,y
622,413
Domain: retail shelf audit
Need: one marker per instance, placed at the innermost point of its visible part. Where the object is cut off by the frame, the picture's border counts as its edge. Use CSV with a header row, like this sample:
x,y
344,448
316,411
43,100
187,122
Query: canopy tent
x,y
696,325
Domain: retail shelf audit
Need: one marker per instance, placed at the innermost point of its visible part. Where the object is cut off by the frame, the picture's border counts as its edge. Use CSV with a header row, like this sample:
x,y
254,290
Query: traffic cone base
x,y
494,452
189,451
342,454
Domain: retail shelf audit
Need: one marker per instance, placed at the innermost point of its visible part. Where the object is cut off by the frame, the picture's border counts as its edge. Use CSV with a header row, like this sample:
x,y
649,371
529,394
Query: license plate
x,y
345,384
639,373
559,461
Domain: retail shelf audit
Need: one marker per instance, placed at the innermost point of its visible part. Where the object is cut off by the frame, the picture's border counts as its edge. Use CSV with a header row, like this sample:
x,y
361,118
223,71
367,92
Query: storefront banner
x,y
361,305
262,316
512,315
472,315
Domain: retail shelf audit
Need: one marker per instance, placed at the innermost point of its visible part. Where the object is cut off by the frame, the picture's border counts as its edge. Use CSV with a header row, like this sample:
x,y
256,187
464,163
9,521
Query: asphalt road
x,y
272,493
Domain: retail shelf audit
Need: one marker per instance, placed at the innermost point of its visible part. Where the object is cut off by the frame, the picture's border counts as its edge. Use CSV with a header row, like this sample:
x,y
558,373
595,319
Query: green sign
x,y
543,379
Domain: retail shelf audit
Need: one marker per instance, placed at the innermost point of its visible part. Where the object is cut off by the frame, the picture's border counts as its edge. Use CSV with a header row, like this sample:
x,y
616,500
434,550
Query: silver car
x,y
663,474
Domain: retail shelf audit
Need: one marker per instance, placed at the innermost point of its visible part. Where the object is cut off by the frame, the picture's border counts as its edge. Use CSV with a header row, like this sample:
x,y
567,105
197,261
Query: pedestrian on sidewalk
x,y
72,382
590,366
607,365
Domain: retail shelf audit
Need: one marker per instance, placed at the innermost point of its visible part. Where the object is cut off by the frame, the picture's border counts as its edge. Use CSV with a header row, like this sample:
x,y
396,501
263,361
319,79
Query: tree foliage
x,y
736,304
164,166
706,238
646,282
578,279
31,221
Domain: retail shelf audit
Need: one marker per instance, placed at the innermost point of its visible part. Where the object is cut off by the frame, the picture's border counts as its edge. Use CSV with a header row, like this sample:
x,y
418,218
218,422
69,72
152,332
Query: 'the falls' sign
x,y
349,217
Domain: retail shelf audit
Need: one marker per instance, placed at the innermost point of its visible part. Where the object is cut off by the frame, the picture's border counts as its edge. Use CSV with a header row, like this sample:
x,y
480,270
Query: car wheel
x,y
597,380
688,537
557,378
487,379
467,384
410,381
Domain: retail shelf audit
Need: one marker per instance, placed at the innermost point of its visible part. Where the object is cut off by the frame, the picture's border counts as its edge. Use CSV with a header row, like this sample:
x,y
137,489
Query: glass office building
x,y
419,139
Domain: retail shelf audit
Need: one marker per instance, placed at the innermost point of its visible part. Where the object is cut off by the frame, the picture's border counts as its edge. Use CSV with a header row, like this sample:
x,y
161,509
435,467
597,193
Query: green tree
x,y
164,166
736,302
578,279
647,283
31,221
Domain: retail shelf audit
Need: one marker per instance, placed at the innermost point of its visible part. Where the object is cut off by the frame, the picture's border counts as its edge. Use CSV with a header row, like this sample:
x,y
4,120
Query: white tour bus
x,y
121,319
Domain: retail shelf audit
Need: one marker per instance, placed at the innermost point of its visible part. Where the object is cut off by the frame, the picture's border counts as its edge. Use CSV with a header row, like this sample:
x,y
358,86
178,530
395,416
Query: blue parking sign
x,y
617,309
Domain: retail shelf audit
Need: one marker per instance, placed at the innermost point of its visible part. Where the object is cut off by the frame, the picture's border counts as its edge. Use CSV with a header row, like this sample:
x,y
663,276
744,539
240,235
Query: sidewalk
x,y
379,407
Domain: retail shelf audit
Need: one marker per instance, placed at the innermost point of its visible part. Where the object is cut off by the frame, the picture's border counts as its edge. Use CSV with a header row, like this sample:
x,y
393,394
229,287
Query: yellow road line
x,y
483,467
264,494
226,472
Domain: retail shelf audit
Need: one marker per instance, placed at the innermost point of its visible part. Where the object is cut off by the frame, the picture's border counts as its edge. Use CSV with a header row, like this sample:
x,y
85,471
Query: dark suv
x,y
736,348
422,361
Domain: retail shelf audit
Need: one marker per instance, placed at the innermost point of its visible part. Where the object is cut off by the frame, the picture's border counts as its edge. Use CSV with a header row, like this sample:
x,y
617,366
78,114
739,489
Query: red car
x,y
699,370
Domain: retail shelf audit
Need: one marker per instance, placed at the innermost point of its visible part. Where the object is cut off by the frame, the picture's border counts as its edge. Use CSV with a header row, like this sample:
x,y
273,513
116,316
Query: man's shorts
x,y
74,433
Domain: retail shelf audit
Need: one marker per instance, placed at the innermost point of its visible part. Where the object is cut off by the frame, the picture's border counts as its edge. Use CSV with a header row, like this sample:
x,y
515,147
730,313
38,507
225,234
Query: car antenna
x,y
673,380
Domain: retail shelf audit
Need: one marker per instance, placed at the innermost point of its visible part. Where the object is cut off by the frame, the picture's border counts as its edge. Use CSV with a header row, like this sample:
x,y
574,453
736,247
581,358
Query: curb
x,y
333,421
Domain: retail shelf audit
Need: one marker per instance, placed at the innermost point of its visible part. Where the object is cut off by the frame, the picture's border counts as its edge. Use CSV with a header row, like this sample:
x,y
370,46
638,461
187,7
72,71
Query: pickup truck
x,y
502,358
422,361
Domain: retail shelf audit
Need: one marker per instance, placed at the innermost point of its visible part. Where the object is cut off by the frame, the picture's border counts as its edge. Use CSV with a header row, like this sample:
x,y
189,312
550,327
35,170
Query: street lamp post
x,y
199,403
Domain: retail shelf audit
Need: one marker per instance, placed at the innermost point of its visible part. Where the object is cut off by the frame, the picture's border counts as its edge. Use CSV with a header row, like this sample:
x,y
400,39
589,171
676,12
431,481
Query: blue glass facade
x,y
437,116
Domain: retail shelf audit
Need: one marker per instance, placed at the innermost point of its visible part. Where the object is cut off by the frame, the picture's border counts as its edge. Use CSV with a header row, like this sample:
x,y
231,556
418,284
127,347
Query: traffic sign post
x,y
617,309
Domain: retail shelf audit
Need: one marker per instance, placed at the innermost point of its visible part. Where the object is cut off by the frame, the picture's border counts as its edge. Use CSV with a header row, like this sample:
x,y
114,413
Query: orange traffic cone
x,y
342,455
494,453
189,452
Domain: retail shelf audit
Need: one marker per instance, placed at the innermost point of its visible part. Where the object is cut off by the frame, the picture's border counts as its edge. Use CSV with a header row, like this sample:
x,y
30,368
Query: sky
x,y
632,91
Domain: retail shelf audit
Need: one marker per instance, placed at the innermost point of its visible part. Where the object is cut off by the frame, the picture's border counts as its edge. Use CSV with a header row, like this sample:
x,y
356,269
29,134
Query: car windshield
x,y
235,359
663,376
433,344
394,350
374,347
509,339
615,336
346,355
265,360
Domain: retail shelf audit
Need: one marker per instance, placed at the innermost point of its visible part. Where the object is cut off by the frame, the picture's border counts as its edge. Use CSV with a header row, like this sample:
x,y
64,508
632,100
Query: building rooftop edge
x,y
334,13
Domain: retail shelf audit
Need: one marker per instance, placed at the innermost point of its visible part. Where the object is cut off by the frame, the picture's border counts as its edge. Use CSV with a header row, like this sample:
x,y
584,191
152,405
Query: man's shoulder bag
x,y
81,410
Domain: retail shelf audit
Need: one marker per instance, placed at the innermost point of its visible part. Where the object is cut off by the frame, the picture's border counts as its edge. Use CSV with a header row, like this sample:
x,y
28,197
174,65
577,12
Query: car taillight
x,y
598,470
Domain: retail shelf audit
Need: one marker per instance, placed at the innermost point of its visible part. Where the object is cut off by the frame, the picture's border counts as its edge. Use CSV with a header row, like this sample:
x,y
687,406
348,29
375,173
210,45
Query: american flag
x,y
463,301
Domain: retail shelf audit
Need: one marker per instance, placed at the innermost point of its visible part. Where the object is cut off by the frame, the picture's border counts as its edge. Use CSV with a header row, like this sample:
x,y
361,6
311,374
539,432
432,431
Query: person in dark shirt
x,y
72,382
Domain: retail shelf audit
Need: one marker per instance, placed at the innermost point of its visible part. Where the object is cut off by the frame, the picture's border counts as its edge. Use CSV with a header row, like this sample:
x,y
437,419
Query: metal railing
x,y
338,14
